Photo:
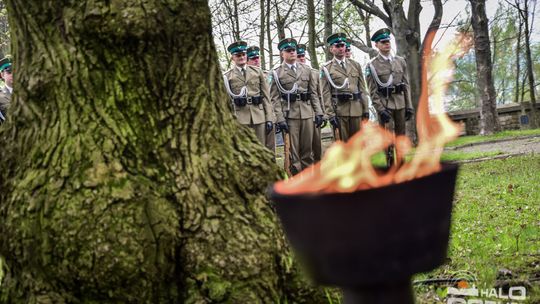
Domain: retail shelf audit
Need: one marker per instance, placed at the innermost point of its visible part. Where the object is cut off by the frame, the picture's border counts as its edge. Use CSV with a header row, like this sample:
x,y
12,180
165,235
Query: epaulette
x,y
228,71
254,67
327,63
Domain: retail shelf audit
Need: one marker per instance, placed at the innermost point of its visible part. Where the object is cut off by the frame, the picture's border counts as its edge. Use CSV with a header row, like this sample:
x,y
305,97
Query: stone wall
x,y
512,116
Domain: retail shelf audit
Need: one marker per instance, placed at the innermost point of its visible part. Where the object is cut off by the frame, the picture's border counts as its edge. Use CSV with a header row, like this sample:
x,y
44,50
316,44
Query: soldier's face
x,y
348,53
289,55
255,61
384,46
8,78
301,58
239,59
338,50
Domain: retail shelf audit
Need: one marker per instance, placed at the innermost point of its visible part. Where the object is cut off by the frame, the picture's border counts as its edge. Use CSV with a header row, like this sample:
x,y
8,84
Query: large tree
x,y
489,122
124,176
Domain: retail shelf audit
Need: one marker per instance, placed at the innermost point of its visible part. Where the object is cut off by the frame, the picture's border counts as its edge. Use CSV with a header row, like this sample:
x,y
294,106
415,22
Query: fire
x,y
347,167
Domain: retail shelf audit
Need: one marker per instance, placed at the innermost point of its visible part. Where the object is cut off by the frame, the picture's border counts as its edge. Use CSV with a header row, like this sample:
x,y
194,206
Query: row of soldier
x,y
297,100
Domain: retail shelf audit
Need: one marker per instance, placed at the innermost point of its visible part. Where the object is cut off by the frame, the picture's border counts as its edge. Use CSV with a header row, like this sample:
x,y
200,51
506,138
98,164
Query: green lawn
x,y
466,140
496,224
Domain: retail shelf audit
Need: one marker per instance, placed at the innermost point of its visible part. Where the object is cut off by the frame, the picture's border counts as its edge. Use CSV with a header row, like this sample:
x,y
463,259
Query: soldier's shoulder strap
x,y
327,63
226,73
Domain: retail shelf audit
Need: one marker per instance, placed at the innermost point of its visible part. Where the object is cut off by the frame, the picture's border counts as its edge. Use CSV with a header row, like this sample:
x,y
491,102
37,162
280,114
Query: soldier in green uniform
x,y
5,93
249,92
348,51
388,82
317,145
253,58
343,89
294,85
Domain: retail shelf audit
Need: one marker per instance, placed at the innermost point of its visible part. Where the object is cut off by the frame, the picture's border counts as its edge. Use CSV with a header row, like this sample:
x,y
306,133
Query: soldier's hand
x,y
334,122
318,121
282,126
269,127
365,116
409,113
324,123
385,116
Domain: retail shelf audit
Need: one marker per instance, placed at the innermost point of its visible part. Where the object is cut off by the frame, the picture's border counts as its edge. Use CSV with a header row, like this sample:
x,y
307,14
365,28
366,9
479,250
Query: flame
x,y
347,167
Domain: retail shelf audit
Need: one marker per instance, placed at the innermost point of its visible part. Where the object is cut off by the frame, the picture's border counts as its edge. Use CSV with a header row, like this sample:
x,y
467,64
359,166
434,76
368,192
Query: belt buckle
x,y
248,100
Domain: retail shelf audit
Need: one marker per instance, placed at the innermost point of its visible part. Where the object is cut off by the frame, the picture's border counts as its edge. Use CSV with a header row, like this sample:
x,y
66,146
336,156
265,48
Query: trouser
x,y
348,126
397,122
260,131
317,144
271,140
301,134
397,126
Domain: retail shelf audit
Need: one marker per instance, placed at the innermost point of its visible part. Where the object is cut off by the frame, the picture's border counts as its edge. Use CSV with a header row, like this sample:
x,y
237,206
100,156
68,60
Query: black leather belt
x,y
347,96
296,96
388,91
243,101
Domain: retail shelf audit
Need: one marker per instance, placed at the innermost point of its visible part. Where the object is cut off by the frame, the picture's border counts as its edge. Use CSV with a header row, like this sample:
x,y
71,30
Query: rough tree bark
x,y
328,23
489,122
530,74
312,33
261,34
126,178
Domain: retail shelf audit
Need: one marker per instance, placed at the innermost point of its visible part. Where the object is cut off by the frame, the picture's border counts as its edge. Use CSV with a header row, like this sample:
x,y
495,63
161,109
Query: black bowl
x,y
373,237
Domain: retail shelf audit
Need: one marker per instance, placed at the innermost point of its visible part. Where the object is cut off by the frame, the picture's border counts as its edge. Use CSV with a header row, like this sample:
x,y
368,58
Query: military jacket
x,y
316,74
276,104
256,85
397,67
354,72
5,98
306,83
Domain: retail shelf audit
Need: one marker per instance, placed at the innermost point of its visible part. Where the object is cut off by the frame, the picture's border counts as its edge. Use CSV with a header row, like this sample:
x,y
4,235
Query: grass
x,y
466,140
496,224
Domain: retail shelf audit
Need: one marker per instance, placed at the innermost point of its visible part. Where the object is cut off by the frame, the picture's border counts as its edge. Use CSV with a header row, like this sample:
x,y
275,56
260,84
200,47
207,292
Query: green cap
x,y
5,64
301,49
237,47
348,43
381,35
336,38
253,51
287,43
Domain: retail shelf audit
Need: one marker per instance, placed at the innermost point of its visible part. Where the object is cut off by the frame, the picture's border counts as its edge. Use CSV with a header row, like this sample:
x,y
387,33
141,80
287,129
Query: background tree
x,y
488,112
126,178
4,31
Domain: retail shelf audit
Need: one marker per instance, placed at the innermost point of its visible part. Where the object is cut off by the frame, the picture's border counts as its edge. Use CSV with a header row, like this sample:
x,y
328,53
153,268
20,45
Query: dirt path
x,y
507,146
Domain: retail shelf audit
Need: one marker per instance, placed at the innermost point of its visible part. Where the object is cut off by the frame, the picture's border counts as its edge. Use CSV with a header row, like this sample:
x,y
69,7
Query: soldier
x,y
5,94
388,81
249,92
317,145
294,86
344,90
348,52
254,60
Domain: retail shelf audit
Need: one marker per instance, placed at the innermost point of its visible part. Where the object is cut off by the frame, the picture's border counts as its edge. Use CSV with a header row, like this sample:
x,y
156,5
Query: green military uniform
x,y
270,140
295,86
344,92
389,86
250,96
316,144
5,93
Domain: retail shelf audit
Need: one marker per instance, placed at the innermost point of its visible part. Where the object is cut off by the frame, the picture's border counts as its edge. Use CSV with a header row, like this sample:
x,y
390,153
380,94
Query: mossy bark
x,y
124,176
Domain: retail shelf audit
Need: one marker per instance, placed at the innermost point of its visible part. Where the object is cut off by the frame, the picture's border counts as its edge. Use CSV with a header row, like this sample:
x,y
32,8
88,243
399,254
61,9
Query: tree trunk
x,y
126,178
261,34
530,73
488,113
312,33
269,35
518,63
328,23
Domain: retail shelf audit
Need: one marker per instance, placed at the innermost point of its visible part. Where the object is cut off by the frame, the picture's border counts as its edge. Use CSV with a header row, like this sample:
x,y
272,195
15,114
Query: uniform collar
x,y
9,89
388,58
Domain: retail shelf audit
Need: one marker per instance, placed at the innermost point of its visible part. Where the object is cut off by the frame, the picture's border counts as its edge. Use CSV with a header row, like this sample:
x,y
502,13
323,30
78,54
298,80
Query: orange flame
x,y
346,167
